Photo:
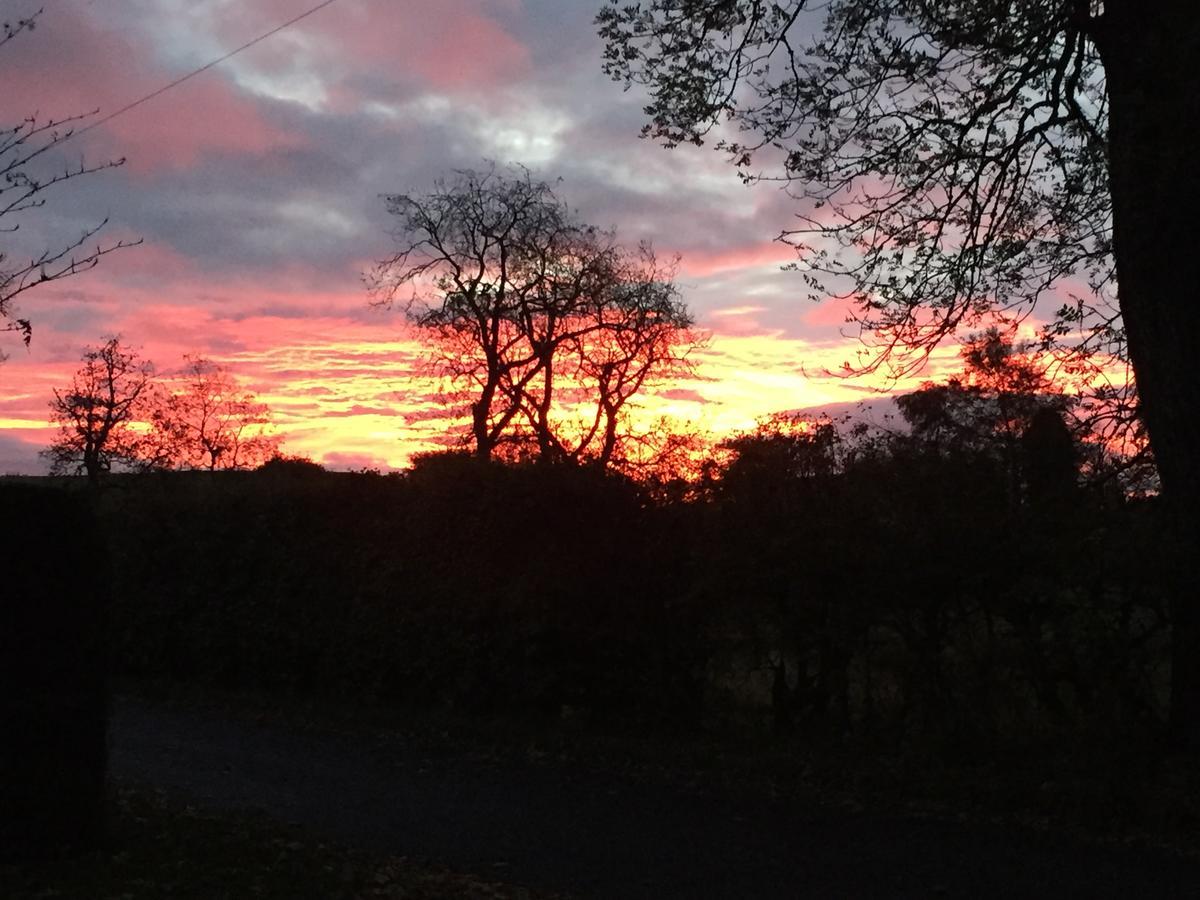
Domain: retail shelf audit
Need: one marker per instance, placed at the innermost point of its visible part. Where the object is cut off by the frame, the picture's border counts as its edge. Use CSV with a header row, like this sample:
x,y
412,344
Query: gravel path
x,y
597,836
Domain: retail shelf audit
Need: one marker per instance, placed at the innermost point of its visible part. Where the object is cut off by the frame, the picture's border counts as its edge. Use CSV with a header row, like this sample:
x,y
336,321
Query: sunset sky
x,y
256,190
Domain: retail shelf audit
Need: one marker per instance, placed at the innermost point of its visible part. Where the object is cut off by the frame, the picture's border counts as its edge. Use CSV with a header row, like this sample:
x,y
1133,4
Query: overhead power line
x,y
204,68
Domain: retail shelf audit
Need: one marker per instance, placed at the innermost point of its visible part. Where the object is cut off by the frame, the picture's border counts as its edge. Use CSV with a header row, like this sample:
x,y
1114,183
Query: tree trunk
x,y
545,437
1149,53
481,409
479,430
91,466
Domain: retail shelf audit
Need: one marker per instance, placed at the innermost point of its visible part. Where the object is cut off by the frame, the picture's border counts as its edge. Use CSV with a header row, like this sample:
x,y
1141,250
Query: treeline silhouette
x,y
477,585
978,574
917,586
117,413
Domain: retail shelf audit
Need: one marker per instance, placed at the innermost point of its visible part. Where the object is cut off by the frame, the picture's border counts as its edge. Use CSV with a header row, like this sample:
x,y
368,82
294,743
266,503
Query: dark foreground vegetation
x,y
904,597
528,815
953,604
965,606
161,847
916,590
976,593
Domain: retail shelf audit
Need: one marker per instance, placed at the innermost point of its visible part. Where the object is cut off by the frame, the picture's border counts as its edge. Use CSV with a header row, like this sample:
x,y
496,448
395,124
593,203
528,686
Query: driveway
x,y
603,836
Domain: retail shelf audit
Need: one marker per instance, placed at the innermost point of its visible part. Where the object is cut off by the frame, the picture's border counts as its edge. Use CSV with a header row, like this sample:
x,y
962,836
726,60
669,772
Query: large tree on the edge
x,y
955,159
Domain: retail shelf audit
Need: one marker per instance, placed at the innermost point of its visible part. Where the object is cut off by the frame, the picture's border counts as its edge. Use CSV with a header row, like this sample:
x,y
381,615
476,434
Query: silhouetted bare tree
x,y
95,415
549,325
208,422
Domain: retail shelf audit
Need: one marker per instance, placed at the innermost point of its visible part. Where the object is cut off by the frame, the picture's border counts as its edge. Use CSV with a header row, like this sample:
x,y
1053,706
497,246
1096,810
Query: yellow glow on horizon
x,y
350,394
31,424
363,401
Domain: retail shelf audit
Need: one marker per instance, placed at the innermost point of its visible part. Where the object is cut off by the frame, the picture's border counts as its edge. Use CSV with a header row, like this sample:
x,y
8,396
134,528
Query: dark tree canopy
x,y
956,160
547,325
1006,410
991,402
783,447
949,157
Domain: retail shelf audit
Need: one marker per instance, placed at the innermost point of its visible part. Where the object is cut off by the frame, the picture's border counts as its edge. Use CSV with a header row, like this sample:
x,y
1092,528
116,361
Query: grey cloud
x,y
19,456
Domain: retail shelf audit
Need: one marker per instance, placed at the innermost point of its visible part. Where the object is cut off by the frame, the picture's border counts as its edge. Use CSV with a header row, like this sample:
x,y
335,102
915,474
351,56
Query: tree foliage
x,y
1005,407
118,413
991,402
548,326
949,157
783,448
949,161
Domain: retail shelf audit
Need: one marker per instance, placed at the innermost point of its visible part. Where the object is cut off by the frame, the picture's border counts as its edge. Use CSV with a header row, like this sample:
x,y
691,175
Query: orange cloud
x,y
353,393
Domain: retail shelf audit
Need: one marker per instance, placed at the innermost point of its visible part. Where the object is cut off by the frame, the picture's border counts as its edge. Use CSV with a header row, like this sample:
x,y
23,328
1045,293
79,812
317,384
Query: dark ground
x,y
544,825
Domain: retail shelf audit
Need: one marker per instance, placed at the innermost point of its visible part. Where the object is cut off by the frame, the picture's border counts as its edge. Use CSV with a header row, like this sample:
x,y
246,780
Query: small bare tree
x,y
208,422
96,414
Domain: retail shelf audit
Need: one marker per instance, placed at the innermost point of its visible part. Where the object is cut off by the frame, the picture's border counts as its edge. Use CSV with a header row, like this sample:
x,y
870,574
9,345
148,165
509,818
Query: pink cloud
x,y
742,325
702,264
69,66
469,50
456,48
209,116
830,312
434,412
353,461
682,394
